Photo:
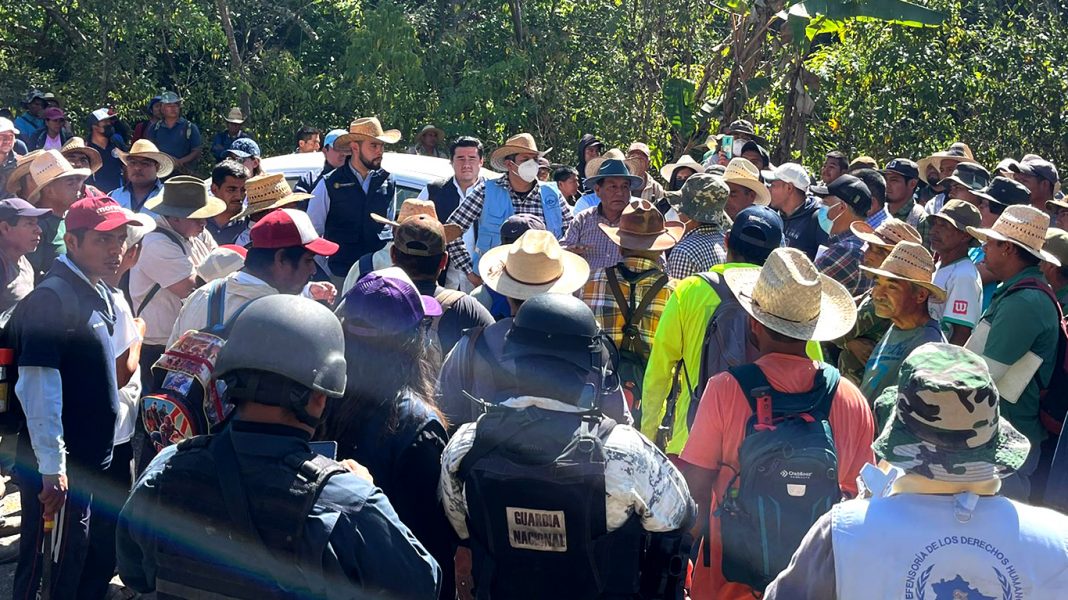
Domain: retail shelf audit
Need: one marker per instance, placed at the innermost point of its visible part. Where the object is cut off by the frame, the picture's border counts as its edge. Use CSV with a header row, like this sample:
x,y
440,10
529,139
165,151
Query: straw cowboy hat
x,y
51,166
595,163
1020,224
365,128
234,116
414,208
789,296
522,143
534,264
146,149
888,234
958,151
911,262
746,174
427,129
22,169
185,197
668,171
642,227
268,192
76,145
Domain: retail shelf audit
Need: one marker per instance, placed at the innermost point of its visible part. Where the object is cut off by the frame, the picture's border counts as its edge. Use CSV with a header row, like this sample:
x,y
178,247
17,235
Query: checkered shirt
x,y
598,296
841,262
915,215
699,251
597,248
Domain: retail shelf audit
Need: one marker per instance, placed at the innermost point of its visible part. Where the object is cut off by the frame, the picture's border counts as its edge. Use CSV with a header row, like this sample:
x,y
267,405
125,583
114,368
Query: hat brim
x,y
17,173
95,162
438,130
937,293
761,190
575,274
668,171
498,155
1004,454
164,160
214,206
142,221
343,143
838,312
1049,203
671,235
113,224
259,207
83,173
234,121
322,247
867,234
983,234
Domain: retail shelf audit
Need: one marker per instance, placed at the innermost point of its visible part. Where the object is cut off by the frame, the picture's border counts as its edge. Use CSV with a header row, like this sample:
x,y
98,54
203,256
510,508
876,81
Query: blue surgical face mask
x,y
826,223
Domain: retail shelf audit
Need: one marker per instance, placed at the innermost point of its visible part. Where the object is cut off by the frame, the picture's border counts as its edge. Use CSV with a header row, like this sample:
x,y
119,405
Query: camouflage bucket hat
x,y
702,198
945,423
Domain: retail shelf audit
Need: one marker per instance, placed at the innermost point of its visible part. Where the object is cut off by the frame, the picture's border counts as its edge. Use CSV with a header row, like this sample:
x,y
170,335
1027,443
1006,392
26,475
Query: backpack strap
x,y
217,305
631,314
726,296
155,286
767,402
316,470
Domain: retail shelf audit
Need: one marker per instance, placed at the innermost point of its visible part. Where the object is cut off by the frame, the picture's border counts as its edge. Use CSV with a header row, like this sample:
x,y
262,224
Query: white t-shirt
x,y
124,336
964,295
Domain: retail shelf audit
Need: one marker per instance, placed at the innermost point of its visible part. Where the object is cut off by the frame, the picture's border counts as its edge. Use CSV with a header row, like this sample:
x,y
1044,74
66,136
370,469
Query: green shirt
x,y
885,362
1021,322
869,326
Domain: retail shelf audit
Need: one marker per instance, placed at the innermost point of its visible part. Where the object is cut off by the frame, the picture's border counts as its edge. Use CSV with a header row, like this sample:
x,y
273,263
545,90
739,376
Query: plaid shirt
x,y
699,251
586,238
470,210
915,215
598,295
841,262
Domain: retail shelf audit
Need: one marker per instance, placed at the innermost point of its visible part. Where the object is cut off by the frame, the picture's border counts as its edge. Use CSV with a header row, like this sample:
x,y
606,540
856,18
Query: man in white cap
x,y
788,184
8,155
638,154
19,235
101,124
788,302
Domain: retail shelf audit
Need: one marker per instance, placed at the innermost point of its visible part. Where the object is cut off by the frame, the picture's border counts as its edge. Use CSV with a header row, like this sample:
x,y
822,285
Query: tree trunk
x,y
747,51
517,22
237,66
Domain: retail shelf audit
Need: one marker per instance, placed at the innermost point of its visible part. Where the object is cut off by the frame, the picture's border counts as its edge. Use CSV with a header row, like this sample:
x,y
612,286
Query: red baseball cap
x,y
287,227
235,248
99,213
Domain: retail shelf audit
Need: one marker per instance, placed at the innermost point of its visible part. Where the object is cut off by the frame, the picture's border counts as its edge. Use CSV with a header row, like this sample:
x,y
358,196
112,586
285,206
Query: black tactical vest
x,y
348,222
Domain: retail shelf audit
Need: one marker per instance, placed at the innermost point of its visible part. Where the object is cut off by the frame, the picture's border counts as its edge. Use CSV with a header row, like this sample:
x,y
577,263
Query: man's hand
x,y
53,493
360,470
474,279
141,326
323,291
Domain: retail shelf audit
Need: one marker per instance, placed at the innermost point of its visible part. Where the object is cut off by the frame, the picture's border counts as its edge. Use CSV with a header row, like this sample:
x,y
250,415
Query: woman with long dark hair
x,y
388,421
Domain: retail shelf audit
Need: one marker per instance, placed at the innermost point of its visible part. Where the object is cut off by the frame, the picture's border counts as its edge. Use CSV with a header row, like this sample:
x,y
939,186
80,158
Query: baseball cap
x,y
99,213
757,230
244,148
1038,167
287,227
17,207
639,147
221,262
332,137
385,302
791,173
848,189
6,125
420,235
100,114
55,113
516,225
904,167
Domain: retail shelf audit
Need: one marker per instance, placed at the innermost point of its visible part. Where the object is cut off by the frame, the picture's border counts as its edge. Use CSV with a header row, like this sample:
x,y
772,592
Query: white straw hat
x,y
744,173
1023,225
534,264
52,166
909,261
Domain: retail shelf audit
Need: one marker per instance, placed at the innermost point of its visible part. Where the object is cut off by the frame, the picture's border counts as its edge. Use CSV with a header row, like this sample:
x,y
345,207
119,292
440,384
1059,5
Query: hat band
x,y
524,282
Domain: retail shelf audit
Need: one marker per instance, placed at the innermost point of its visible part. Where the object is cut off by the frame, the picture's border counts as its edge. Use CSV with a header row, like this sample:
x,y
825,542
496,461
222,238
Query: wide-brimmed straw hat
x,y
76,145
146,149
365,128
268,192
888,234
911,262
595,163
958,151
642,227
185,197
534,264
22,169
685,162
946,422
428,128
51,166
1022,225
414,208
790,296
522,143
746,174
234,116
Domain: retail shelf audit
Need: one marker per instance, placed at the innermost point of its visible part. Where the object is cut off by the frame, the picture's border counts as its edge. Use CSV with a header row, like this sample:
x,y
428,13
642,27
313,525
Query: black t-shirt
x,y
109,177
81,351
465,313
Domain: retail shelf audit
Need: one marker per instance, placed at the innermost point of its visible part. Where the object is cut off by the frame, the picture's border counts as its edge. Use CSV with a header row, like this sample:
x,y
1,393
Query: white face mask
x,y
738,145
528,170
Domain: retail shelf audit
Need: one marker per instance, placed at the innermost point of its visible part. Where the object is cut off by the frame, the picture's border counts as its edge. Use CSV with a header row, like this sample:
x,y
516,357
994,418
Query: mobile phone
x,y
327,449
726,143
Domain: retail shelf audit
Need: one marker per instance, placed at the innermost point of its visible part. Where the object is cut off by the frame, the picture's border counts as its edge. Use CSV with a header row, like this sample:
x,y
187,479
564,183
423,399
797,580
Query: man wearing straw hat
x,y
613,184
491,202
57,185
263,194
638,153
145,166
19,183
1057,276
1018,334
81,156
427,142
933,523
944,163
788,302
233,132
343,201
904,284
743,179
676,173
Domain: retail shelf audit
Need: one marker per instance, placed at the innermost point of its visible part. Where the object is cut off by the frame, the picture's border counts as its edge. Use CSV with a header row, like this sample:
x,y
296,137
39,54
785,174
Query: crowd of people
x,y
722,379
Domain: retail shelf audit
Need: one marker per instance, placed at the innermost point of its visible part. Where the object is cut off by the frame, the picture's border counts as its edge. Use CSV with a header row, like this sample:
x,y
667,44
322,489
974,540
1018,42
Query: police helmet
x,y
556,326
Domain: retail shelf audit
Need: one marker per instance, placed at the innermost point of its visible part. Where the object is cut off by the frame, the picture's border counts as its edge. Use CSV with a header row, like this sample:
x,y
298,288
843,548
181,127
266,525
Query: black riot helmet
x,y
280,349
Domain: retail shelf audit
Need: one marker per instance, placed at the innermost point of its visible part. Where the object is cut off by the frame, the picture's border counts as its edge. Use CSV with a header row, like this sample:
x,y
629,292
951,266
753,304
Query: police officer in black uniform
x,y
252,512
554,499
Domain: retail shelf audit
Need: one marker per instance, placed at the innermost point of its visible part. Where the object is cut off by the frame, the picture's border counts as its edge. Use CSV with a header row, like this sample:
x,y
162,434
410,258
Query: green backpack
x,y
633,352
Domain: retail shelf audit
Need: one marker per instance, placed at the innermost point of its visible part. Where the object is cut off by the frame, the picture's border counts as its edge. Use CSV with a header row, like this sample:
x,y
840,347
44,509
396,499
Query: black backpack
x,y
633,352
787,476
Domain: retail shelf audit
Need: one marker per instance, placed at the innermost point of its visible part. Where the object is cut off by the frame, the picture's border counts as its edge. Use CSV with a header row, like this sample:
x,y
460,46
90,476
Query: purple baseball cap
x,y
385,302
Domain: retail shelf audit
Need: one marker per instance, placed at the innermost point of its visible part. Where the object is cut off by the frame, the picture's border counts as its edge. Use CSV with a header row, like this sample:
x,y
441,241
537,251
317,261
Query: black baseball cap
x,y
516,225
848,189
757,230
904,167
17,207
1005,191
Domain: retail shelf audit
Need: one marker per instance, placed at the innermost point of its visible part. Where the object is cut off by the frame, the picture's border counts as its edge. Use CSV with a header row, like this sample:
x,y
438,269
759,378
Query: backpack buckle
x,y
764,413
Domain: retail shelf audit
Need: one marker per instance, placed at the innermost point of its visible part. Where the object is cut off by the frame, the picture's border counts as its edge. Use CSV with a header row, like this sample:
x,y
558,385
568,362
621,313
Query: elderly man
x,y
651,190
343,201
613,184
490,203
845,201
788,188
904,284
145,167
8,156
175,135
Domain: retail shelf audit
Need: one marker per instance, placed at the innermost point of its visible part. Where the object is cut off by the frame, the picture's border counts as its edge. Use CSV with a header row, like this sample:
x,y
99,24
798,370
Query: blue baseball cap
x,y
757,230
332,137
244,148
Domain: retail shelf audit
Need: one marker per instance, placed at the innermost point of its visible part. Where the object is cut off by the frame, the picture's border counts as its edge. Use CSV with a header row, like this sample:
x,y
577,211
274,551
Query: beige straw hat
x,y
22,169
268,192
1023,225
522,143
414,208
958,151
888,234
789,296
76,145
534,264
146,149
52,166
686,161
746,174
185,197
642,227
615,153
234,116
365,128
911,262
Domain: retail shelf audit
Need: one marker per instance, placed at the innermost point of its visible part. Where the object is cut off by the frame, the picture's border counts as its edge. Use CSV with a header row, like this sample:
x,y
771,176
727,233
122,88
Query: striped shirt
x,y
699,251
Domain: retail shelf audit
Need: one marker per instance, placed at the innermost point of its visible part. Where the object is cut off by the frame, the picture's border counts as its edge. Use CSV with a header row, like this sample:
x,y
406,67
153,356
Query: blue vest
x,y
349,223
498,206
